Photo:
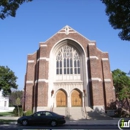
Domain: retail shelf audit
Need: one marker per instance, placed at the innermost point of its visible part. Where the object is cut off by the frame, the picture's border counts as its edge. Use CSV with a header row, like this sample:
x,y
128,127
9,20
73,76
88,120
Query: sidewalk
x,y
76,122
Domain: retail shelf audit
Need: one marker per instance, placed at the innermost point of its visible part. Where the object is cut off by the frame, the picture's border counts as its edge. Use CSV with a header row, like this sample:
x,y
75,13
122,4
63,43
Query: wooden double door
x,y
61,99
76,99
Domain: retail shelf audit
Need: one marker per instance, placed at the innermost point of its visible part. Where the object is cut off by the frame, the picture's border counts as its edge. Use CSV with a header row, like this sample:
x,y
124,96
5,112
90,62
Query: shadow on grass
x,y
2,121
6,114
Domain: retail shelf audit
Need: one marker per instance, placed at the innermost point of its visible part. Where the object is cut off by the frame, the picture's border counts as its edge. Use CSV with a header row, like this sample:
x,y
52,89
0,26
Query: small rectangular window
x,y
64,70
60,63
78,63
67,70
75,63
71,71
70,62
78,70
75,70
56,63
61,71
5,103
57,71
64,62
67,62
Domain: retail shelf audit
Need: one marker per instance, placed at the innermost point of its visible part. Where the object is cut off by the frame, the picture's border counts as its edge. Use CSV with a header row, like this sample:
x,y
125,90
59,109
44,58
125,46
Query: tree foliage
x,y
118,12
122,87
9,7
18,101
7,80
121,83
14,95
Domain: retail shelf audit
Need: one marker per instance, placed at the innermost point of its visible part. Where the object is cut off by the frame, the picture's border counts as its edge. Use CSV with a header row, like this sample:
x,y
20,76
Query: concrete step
x,y
60,110
79,113
73,113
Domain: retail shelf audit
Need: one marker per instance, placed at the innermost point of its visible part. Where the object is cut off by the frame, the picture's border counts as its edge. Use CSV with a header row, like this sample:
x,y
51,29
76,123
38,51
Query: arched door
x,y
61,99
76,99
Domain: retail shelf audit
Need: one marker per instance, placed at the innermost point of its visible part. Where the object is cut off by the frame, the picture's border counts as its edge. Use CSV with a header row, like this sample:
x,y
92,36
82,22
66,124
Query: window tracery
x,y
67,61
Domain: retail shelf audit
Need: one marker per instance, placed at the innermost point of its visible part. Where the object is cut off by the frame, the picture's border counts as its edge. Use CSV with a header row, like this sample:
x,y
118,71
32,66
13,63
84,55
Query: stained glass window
x,y
67,61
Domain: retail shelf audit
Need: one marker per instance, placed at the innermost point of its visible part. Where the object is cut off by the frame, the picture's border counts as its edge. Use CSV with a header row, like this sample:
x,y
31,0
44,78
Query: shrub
x,y
28,113
18,113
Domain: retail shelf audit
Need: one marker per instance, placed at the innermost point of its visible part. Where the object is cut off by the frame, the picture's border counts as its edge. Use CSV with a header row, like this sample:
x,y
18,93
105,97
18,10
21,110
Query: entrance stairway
x,y
80,113
73,113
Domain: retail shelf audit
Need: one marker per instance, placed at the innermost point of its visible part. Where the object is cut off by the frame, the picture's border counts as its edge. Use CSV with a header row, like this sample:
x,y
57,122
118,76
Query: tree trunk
x,y
18,111
128,105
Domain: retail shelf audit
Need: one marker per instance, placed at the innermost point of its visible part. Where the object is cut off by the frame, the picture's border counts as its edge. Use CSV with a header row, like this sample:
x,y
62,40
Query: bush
x,y
15,111
28,113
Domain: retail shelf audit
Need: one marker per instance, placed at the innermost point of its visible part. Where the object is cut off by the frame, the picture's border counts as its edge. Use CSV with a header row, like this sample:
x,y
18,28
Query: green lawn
x,y
6,114
2,121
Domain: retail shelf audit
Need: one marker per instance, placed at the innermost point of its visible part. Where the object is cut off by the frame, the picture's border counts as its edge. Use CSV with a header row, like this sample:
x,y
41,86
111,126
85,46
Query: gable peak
x,y
67,29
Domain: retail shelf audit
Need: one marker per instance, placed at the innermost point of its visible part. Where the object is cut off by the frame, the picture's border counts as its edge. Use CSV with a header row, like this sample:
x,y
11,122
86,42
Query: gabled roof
x,y
67,30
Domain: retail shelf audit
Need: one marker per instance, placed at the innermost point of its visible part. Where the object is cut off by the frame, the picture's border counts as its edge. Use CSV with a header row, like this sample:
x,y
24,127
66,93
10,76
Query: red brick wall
x,y
42,94
108,85
97,93
29,82
29,97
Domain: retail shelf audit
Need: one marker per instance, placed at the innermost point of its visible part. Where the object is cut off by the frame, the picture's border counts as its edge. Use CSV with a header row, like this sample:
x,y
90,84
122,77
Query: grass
x,y
2,121
6,114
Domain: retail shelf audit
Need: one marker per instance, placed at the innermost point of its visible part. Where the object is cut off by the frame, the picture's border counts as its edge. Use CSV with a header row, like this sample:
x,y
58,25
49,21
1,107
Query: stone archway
x,y
76,98
61,99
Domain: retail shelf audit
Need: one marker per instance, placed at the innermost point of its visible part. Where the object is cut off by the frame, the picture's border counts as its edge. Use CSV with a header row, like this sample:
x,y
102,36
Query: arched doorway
x,y
61,99
76,98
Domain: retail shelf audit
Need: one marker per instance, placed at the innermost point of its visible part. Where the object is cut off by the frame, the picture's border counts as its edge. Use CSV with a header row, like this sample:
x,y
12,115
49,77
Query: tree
x,y
122,87
18,102
14,95
7,80
120,80
118,12
9,7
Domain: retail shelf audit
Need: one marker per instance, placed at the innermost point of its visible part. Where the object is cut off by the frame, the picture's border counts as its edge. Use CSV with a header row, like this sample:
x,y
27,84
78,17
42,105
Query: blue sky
x,y
37,21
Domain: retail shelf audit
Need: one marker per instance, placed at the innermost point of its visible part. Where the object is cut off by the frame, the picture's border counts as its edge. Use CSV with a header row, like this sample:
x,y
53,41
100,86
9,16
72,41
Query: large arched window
x,y
67,61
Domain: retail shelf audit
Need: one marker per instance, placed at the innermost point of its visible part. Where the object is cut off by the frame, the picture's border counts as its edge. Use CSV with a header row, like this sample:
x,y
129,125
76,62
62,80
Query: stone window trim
x,y
30,61
41,80
105,59
79,48
43,45
71,42
107,80
95,79
68,82
29,81
43,58
93,57
91,44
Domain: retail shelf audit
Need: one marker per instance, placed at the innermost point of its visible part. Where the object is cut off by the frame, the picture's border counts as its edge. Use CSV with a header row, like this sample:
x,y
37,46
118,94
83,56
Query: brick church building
x,y
68,70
